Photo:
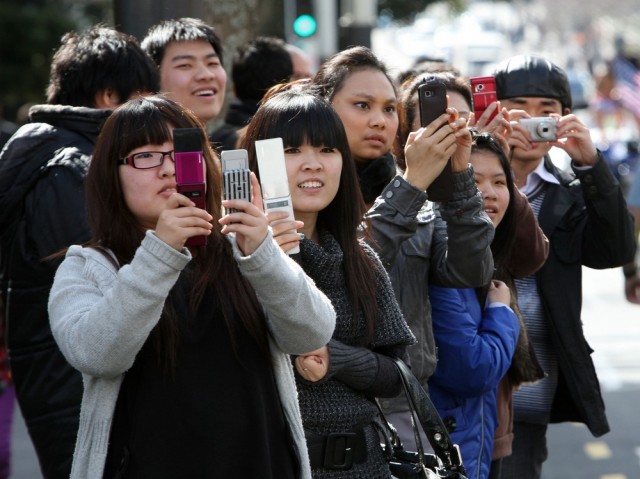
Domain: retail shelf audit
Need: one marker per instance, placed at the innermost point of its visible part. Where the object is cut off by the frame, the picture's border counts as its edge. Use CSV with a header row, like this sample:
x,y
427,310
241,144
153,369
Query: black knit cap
x,y
531,75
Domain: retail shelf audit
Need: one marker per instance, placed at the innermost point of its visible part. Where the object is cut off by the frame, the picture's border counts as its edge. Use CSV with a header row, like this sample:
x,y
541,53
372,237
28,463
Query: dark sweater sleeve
x,y
531,246
372,373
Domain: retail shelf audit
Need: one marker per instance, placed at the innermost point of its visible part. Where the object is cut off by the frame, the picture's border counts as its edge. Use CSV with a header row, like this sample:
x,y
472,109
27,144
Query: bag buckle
x,y
338,451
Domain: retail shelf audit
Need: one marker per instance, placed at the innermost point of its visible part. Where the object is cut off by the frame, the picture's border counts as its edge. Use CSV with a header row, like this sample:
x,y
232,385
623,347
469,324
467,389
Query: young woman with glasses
x,y
184,352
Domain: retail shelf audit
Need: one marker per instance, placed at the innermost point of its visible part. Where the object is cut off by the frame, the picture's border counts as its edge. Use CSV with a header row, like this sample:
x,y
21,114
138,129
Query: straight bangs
x,y
304,119
138,122
147,121
301,118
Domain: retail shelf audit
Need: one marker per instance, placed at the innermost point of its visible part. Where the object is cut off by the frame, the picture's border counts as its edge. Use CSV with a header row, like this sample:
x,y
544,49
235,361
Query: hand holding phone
x,y
274,180
251,226
189,159
236,176
432,101
483,91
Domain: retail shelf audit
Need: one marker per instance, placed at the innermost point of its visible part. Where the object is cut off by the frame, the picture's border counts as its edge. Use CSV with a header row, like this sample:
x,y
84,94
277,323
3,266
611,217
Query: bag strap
x,y
430,420
396,443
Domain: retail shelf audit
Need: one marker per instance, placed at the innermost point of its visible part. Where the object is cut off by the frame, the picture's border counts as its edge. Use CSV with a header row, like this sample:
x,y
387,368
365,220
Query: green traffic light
x,y
304,26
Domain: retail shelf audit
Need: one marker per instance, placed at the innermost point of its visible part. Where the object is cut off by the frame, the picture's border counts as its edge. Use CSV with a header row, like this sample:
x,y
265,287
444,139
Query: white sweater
x,y
101,317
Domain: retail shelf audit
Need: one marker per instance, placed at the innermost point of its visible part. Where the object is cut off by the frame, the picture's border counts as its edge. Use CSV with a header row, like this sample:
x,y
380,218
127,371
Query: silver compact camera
x,y
540,128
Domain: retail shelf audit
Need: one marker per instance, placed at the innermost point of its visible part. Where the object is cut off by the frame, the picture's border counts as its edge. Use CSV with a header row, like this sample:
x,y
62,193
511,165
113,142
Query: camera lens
x,y
479,87
546,130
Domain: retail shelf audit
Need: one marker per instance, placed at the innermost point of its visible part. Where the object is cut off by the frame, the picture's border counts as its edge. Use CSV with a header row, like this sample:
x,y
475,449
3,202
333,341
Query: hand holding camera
x,y
568,133
576,140
540,129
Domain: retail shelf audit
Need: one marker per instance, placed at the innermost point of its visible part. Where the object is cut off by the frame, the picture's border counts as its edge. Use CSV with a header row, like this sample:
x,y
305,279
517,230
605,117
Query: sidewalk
x,y
24,462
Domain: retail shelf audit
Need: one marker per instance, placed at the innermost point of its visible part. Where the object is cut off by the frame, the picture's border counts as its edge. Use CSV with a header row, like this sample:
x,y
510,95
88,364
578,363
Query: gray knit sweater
x,y
101,317
343,400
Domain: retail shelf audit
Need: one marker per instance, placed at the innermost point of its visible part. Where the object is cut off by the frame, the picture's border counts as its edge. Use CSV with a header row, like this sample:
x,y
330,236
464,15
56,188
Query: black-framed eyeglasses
x,y
146,159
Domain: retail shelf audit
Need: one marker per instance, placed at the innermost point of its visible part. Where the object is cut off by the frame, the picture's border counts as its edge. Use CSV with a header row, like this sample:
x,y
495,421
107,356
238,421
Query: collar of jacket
x,y
564,177
375,175
83,120
240,112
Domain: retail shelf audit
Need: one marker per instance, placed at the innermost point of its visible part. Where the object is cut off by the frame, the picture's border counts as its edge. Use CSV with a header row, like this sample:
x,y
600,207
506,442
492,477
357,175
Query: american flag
x,y
628,84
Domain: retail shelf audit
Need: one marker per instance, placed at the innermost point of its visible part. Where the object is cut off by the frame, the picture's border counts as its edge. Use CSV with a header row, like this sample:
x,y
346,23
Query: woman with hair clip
x,y
184,352
337,384
477,331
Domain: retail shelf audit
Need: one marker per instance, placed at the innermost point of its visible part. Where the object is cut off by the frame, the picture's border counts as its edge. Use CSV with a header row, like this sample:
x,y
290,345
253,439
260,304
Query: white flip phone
x,y
273,179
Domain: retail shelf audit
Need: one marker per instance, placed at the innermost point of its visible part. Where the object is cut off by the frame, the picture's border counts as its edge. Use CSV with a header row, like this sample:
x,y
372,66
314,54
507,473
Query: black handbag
x,y
446,461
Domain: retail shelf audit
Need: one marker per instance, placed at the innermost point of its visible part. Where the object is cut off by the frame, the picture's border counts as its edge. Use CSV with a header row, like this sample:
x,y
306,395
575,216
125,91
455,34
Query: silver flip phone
x,y
236,176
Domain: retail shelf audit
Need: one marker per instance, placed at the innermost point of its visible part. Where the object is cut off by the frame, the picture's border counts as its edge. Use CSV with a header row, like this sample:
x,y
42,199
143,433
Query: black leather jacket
x,y
588,224
42,210
419,245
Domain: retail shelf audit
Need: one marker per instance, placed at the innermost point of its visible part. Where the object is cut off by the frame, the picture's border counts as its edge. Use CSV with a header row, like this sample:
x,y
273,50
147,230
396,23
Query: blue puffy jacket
x,y
474,352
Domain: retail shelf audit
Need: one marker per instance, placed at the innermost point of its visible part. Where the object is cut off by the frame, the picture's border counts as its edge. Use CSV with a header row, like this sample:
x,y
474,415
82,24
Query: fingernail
x,y
301,235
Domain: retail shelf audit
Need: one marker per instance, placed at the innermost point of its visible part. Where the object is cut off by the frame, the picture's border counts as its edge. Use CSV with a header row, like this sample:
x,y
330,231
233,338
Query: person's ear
x,y
107,99
566,110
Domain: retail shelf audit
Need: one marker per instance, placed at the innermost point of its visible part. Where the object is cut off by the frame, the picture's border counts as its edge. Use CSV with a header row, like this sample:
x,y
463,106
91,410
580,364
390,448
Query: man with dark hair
x,y
257,66
189,55
42,210
585,217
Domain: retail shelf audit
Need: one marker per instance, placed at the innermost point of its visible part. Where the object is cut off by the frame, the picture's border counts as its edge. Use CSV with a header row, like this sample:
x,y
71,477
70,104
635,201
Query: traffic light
x,y
304,19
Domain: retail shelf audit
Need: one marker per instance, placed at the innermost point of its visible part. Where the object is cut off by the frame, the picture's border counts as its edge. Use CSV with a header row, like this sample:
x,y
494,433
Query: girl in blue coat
x,y
476,331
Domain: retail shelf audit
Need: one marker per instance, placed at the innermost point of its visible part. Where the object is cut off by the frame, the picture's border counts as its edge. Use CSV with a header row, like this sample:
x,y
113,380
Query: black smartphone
x,y
432,101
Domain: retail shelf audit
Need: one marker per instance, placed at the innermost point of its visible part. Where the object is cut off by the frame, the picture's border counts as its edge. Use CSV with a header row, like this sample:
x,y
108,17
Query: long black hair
x,y
504,237
300,117
151,120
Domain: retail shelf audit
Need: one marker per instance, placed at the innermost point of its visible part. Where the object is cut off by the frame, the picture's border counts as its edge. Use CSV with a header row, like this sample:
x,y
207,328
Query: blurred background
x,y
596,42
586,37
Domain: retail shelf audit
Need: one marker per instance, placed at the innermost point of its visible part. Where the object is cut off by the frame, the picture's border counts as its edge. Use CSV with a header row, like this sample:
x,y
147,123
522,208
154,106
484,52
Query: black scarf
x,y
375,175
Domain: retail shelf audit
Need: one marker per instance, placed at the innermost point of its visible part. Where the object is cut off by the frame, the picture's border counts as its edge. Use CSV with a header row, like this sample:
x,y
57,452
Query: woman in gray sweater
x,y
183,351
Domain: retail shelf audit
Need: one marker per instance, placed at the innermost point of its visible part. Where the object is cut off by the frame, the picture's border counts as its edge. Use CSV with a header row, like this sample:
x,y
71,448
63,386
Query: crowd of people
x,y
131,354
